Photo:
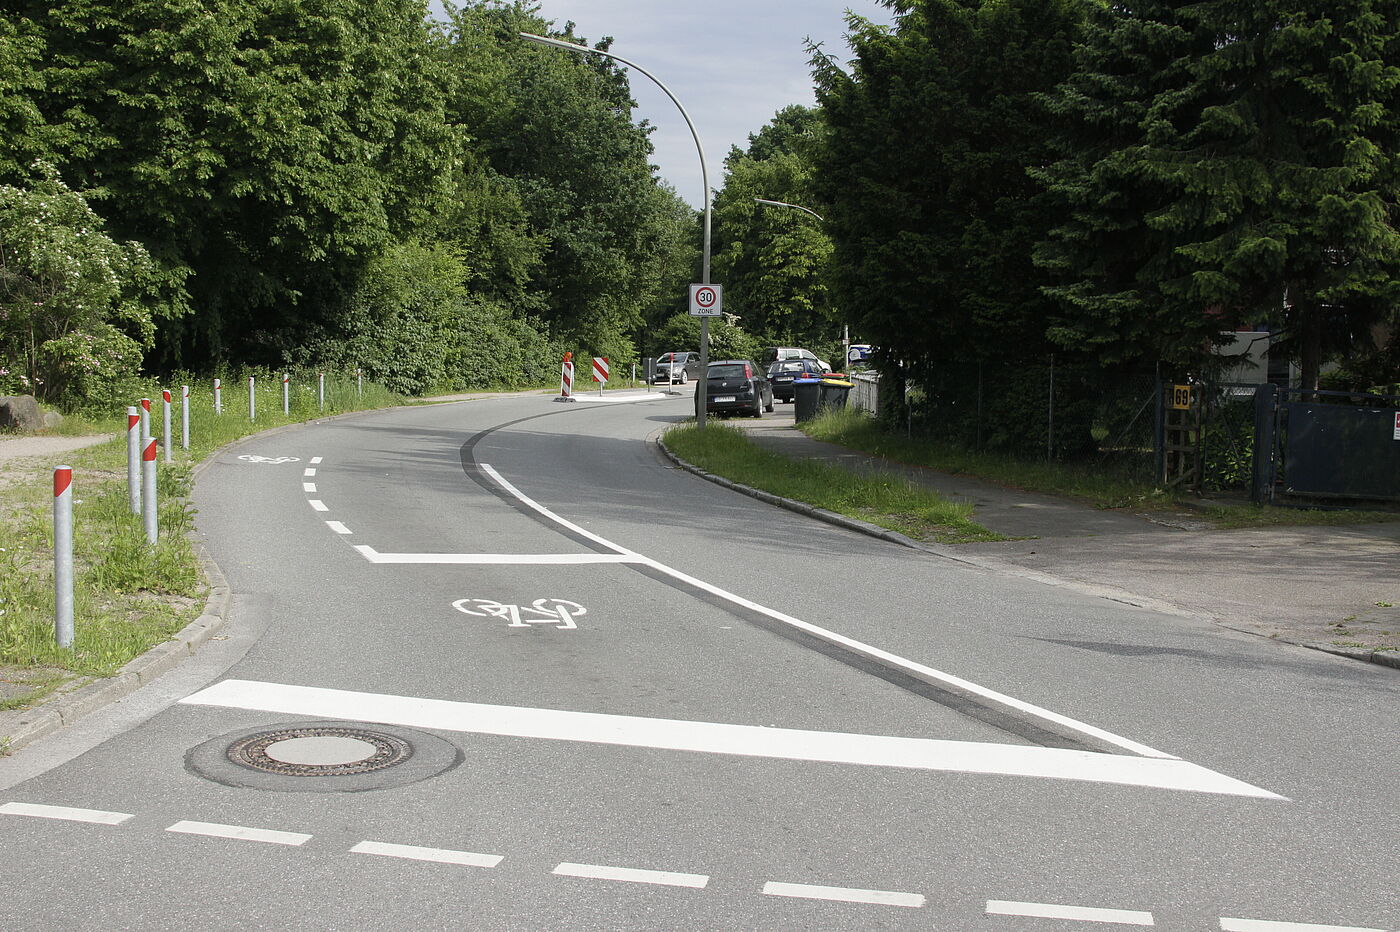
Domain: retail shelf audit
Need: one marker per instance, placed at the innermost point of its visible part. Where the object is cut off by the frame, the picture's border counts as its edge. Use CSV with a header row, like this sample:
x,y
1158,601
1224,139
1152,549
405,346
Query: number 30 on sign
x,y
1181,397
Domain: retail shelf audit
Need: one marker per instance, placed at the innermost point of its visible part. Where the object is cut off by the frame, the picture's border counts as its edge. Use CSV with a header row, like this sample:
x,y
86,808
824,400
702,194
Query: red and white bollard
x,y
133,458
145,420
286,393
218,397
185,416
148,490
165,422
566,382
63,555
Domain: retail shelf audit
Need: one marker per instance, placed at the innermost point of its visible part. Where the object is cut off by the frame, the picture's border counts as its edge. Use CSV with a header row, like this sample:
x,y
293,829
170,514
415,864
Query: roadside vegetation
x,y
888,501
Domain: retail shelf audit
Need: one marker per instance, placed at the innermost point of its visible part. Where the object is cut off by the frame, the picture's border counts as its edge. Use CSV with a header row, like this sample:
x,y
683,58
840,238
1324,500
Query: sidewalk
x,y
1297,584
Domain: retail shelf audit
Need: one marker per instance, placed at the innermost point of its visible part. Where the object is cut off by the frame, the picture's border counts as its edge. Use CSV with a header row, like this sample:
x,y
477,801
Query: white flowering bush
x,y
75,306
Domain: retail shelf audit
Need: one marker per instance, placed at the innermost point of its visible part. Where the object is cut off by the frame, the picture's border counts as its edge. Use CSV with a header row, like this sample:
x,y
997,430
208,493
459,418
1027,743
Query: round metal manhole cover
x,y
319,751
323,757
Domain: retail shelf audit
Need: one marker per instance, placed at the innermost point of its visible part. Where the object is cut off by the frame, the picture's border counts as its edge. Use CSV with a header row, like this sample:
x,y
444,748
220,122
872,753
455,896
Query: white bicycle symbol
x,y
274,460
558,612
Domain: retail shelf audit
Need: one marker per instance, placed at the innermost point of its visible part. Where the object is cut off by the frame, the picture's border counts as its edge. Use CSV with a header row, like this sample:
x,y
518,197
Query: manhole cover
x,y
323,757
319,751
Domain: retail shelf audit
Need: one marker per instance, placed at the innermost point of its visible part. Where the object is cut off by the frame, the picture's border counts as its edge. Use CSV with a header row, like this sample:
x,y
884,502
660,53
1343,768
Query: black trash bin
x,y
806,397
834,392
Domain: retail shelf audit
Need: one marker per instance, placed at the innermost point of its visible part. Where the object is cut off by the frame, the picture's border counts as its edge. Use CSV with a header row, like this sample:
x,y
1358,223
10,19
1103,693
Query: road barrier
x,y
148,490
145,420
286,393
566,384
165,422
63,555
133,458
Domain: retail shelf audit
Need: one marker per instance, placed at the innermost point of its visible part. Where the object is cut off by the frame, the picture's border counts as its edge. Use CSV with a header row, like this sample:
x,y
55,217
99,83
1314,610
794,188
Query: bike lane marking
x,y
632,875
239,833
65,813
438,855
1130,917
844,894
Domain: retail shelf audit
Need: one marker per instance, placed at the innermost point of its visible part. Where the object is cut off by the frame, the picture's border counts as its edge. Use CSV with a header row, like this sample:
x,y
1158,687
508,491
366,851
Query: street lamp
x,y
846,328
700,389
763,200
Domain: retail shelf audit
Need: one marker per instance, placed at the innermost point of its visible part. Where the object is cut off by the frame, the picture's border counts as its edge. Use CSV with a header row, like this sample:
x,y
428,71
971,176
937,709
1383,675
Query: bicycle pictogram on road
x,y
559,613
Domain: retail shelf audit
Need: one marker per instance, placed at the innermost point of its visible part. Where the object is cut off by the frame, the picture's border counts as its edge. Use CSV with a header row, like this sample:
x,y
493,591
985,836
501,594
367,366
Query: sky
x,y
731,63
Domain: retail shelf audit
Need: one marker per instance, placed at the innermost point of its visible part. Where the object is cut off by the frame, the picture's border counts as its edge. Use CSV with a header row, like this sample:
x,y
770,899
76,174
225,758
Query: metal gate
x,y
1338,445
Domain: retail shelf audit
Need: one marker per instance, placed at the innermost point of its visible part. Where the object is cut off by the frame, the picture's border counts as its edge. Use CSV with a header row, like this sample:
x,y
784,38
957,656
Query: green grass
x,y
1101,487
885,500
128,595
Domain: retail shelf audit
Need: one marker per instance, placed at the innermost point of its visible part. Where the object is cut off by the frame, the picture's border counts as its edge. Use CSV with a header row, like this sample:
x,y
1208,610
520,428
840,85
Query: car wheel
x,y
685,377
769,407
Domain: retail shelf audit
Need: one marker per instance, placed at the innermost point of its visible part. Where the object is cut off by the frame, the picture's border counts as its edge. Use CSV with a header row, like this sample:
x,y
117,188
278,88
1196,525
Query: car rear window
x,y
727,372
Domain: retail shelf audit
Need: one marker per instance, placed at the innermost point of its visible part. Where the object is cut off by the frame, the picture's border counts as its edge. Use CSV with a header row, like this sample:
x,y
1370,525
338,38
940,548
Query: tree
x,y
1238,163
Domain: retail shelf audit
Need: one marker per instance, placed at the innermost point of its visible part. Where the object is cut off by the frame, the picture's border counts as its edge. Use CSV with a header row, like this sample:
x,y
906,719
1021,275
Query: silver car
x,y
677,367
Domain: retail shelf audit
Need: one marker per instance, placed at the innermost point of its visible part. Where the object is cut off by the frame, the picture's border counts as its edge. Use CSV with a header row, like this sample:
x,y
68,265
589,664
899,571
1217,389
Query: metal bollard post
x,y
145,420
148,490
63,555
133,458
185,416
218,397
321,391
165,423
286,394
359,383
252,402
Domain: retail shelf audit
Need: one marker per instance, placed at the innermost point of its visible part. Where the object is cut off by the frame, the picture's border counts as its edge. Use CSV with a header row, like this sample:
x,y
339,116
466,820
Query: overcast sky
x,y
731,63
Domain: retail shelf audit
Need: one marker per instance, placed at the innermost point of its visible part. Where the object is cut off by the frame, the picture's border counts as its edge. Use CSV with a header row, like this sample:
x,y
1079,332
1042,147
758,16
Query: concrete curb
x,y
1381,657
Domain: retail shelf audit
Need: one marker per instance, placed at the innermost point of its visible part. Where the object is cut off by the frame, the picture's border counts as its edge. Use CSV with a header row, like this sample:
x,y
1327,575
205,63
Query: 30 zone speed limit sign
x,y
706,300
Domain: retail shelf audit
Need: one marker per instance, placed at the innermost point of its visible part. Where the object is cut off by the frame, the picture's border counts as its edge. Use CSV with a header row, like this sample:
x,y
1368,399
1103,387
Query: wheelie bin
x,y
806,397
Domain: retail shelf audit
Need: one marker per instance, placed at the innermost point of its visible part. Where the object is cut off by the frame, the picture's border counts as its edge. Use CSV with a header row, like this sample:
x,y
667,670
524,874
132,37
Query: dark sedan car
x,y
737,385
784,371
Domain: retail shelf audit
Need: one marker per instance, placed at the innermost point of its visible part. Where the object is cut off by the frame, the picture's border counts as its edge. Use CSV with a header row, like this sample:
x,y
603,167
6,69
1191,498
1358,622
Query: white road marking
x,y
338,527
832,637
308,486
716,738
1128,917
844,894
314,460
415,853
309,471
239,832
502,559
618,399
317,504
65,813
1264,925
632,875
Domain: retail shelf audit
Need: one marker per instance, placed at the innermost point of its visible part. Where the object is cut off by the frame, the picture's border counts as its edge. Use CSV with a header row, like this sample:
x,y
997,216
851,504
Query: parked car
x,y
737,385
677,367
775,353
784,371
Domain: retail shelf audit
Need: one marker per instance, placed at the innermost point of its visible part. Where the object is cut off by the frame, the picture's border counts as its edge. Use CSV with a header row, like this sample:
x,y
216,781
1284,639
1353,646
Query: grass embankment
x,y
885,500
1091,484
128,596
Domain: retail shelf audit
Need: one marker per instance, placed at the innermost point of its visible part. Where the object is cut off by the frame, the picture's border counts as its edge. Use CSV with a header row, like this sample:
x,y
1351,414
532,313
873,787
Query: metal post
x,y
133,458
145,420
286,393
1050,421
252,401
63,555
185,417
148,490
321,390
359,384
1265,405
218,397
165,422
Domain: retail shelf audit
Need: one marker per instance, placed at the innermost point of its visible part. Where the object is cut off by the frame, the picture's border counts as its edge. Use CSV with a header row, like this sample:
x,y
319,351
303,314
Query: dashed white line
x,y
309,471
1129,917
317,504
239,833
65,813
315,460
844,894
308,486
1264,925
439,855
632,875
338,527
498,559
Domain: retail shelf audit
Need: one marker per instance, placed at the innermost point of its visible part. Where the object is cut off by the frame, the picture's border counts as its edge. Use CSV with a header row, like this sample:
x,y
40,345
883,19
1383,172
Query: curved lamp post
x,y
764,200
700,389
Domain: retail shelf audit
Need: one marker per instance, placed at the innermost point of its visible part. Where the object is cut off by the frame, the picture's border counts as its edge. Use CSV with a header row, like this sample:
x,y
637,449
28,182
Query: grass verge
x,y
885,500
1093,485
128,595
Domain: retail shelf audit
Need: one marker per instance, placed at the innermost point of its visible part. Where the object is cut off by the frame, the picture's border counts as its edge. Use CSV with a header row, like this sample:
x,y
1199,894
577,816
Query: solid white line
x,y
308,486
618,399
309,471
66,813
844,894
632,875
1127,917
317,504
315,460
1264,925
338,527
832,637
415,853
239,833
716,738
500,559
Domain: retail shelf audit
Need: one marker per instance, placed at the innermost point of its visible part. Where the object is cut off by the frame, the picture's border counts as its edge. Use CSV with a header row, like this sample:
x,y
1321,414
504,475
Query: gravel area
x,y
23,445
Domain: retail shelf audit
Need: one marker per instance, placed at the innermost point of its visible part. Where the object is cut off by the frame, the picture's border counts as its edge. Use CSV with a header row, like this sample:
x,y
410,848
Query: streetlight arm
x,y
764,200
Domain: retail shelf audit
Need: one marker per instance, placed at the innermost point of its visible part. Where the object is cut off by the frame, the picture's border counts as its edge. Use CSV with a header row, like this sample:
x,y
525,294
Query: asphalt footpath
x,y
1331,588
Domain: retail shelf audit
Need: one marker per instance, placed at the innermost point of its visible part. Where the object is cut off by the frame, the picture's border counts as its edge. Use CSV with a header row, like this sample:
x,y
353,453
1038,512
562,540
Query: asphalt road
x,y
609,695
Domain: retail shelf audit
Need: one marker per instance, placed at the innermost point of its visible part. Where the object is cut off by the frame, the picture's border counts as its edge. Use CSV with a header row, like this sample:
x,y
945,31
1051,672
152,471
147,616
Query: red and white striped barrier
x,y
133,458
566,382
145,420
165,422
63,555
600,369
148,489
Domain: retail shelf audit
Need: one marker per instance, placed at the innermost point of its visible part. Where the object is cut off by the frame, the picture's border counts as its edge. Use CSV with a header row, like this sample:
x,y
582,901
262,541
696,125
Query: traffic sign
x,y
600,368
706,300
